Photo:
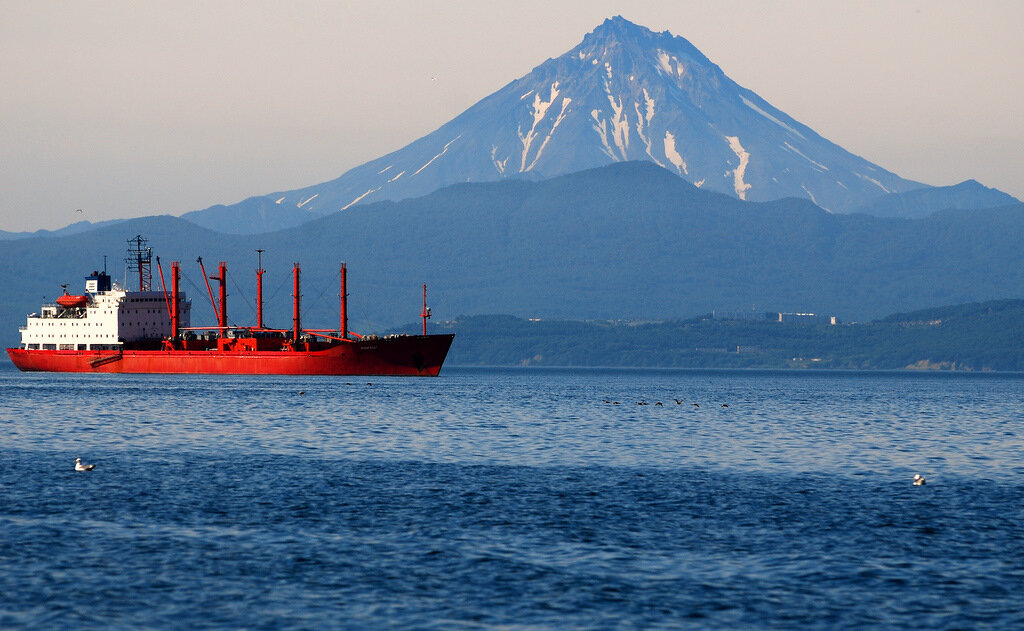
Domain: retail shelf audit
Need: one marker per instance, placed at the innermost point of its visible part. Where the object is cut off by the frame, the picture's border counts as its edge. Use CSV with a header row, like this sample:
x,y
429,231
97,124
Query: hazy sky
x,y
137,108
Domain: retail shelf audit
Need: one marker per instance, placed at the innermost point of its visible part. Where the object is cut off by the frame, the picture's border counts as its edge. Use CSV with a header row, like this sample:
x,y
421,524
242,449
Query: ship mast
x,y
259,289
426,310
222,276
343,311
175,299
140,261
296,320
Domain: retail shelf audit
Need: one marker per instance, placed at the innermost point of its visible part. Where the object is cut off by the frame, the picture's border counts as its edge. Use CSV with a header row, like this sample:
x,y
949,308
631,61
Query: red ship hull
x,y
407,355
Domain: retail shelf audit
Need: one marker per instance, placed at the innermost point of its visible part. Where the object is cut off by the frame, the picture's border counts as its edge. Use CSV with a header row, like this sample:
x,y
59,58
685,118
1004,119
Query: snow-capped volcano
x,y
624,93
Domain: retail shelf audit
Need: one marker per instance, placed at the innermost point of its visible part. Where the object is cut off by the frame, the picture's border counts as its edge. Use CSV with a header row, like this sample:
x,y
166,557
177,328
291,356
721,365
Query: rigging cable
x,y
241,292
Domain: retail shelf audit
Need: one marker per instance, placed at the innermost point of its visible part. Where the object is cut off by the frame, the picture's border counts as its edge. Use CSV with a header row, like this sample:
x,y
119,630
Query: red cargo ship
x,y
111,329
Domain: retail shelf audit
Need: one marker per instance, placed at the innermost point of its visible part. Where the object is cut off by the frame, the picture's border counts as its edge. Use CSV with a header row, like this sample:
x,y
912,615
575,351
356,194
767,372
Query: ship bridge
x,y
105,317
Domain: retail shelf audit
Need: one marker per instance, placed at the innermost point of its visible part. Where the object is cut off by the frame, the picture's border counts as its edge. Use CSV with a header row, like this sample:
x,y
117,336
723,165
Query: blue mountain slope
x,y
628,240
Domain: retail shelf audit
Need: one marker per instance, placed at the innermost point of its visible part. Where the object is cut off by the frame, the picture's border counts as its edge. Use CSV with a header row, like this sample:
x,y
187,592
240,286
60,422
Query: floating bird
x,y
918,479
658,403
696,405
641,402
301,392
678,401
83,467
725,405
615,402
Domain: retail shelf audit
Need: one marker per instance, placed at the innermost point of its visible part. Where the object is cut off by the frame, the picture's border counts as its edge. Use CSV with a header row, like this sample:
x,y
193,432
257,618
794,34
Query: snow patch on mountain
x,y
650,107
643,121
539,112
739,185
443,151
672,154
873,181
619,126
498,164
809,193
360,198
670,65
819,165
561,116
601,127
760,111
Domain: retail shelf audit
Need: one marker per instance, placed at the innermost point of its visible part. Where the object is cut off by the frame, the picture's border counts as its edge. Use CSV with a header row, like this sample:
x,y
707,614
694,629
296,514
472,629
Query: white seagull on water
x,y
83,467
918,479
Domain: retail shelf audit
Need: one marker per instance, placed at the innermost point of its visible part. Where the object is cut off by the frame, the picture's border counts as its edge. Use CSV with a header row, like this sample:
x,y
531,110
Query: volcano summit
x,y
624,93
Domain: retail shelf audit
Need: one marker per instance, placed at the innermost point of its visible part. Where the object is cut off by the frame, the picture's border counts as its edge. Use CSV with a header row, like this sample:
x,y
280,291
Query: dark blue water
x,y
513,499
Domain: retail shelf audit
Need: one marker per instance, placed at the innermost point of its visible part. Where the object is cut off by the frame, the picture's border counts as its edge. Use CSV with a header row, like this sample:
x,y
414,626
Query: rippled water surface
x,y
513,498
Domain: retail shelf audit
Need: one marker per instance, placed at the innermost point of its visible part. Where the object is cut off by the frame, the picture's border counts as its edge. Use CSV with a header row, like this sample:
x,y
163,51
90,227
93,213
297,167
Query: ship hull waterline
x,y
413,355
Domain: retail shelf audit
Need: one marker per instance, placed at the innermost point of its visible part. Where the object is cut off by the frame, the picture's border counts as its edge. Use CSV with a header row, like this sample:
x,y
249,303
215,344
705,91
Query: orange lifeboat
x,y
72,302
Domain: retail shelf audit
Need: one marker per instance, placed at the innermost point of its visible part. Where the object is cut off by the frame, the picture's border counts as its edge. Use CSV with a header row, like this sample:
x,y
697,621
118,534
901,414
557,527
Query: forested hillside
x,y
980,336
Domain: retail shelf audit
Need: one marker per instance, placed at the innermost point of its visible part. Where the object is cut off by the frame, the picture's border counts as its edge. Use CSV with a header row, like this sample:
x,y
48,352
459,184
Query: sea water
x,y
523,499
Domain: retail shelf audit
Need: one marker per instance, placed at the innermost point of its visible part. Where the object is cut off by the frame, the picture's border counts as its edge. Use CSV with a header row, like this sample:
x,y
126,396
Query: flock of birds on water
x,y
678,402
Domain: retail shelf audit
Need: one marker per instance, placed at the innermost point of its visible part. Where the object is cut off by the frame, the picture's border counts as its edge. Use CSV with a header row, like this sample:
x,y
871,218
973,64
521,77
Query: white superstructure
x,y
108,317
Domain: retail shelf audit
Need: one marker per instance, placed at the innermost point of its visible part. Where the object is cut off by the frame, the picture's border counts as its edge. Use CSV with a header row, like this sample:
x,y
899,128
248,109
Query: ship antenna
x,y
140,259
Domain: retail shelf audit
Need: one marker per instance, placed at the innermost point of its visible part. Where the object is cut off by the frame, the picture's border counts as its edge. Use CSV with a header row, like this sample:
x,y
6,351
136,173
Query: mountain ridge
x,y
967,195
629,240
